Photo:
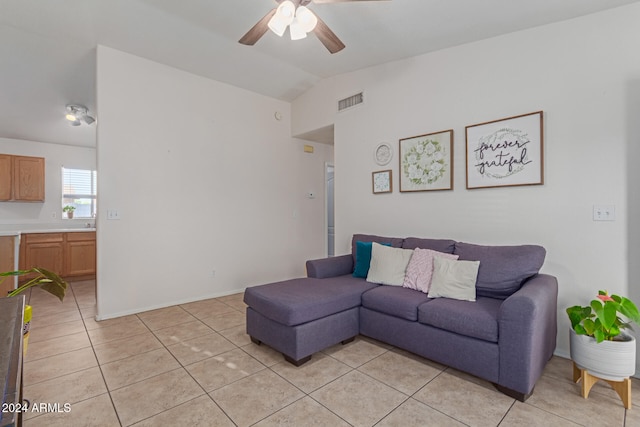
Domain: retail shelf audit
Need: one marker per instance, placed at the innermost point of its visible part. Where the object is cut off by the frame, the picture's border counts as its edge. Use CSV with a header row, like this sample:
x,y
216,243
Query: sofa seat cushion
x,y
477,319
298,301
395,301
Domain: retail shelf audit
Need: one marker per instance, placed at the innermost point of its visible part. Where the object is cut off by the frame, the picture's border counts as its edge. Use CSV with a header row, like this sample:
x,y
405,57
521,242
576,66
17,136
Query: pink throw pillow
x,y
420,269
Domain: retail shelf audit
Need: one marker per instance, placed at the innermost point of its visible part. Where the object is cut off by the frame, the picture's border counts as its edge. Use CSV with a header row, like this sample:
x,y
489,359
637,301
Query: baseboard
x,y
158,306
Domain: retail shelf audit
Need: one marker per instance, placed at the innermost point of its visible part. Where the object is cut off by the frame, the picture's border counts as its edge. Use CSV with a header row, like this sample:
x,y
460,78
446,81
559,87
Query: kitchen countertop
x,y
46,230
58,230
9,233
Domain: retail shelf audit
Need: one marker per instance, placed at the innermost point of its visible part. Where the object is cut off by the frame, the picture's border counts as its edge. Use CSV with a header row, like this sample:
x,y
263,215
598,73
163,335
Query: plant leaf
x,y
609,314
580,330
629,309
47,280
589,326
613,332
599,336
575,315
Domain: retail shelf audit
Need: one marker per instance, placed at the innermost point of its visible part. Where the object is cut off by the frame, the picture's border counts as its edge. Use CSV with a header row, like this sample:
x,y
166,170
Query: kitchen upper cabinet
x,y
28,178
21,178
67,254
6,177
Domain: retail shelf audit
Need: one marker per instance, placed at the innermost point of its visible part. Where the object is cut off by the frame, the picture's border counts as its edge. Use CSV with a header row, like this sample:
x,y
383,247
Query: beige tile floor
x,y
194,365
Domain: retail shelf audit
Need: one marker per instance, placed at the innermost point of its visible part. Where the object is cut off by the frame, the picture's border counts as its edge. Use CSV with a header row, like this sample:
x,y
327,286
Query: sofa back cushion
x,y
503,269
440,245
395,242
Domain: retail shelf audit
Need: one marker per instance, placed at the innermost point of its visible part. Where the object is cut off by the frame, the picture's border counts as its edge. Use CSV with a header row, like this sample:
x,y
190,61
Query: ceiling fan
x,y
300,20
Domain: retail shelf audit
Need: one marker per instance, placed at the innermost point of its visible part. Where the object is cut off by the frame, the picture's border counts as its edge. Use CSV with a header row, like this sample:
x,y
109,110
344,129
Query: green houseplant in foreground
x,y
601,319
45,280
600,348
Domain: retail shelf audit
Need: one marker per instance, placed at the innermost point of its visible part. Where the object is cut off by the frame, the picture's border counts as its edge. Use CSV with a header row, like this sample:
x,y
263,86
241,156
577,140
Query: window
x,y
79,190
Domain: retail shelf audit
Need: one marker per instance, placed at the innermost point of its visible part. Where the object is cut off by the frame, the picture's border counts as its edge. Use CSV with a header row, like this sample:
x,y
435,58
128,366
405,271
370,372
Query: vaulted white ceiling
x,y
47,48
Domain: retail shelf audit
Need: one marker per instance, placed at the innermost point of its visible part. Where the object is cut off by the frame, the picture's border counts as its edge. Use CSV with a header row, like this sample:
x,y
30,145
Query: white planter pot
x,y
609,360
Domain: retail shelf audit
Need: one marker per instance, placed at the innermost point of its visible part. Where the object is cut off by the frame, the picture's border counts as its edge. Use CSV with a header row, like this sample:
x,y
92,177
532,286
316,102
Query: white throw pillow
x,y
454,279
388,265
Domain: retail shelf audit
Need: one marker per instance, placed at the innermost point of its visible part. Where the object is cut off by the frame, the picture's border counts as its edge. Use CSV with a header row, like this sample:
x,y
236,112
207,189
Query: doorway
x,y
329,204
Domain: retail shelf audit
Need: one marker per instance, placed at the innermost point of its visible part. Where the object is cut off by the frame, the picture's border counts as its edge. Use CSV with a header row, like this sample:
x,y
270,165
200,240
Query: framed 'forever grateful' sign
x,y
506,152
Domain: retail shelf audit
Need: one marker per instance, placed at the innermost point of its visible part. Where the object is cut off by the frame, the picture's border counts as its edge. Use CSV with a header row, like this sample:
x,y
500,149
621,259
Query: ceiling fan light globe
x,y
277,25
283,17
286,10
306,18
71,117
296,30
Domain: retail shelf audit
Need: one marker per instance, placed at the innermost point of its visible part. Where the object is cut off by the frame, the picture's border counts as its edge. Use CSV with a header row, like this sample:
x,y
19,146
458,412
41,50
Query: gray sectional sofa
x,y
505,336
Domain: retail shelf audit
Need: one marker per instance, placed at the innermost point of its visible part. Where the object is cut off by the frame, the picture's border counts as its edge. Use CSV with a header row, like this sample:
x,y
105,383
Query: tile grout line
x,y
104,380
305,394
183,368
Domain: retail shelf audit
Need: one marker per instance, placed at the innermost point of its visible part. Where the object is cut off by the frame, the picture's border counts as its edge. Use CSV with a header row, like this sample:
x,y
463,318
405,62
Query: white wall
x,y
204,178
24,216
580,72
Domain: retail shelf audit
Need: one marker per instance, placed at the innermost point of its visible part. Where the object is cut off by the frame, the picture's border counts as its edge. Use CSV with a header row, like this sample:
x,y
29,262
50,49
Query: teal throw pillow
x,y
363,258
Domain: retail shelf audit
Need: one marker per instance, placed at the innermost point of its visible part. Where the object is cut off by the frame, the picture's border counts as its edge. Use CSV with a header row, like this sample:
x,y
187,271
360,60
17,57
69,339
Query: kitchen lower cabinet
x,y
80,254
42,250
67,254
7,262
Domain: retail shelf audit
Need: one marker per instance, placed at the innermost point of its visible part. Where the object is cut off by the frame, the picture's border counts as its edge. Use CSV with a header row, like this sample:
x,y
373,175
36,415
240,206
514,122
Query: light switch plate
x,y
113,214
604,213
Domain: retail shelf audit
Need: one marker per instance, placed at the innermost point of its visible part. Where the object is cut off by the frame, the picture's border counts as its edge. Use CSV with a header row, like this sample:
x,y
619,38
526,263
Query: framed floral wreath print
x,y
426,162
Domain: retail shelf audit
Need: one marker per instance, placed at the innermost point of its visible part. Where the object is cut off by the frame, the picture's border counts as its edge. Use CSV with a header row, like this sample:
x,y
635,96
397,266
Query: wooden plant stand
x,y
623,388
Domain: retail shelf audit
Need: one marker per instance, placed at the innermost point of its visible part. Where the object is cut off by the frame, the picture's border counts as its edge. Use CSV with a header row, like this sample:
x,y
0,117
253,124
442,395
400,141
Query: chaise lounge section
x,y
506,336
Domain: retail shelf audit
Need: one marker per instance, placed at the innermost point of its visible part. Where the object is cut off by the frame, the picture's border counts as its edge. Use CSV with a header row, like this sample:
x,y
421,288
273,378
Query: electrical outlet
x,y
213,273
54,215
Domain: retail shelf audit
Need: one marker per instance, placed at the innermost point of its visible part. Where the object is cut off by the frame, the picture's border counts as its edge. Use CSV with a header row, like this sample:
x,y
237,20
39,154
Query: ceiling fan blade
x,y
327,37
258,30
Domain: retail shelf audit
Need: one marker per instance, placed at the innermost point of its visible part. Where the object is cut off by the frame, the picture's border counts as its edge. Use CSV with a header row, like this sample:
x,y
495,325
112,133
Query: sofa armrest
x,y
330,267
527,332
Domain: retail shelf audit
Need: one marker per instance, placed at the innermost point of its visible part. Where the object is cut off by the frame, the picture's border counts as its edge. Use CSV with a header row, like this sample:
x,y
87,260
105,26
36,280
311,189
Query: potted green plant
x,y
45,280
599,342
69,210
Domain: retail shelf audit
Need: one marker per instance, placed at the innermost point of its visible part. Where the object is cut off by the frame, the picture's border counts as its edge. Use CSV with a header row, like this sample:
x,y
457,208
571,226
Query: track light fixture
x,y
76,114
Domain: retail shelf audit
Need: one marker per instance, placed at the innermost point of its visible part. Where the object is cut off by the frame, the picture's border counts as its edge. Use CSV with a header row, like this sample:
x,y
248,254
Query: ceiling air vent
x,y
350,102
